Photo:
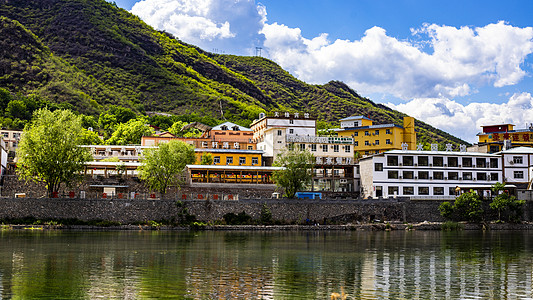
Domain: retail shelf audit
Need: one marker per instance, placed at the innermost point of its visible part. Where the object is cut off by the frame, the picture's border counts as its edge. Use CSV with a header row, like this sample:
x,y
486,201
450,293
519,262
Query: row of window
x,y
439,161
323,147
393,174
229,160
376,143
376,132
422,190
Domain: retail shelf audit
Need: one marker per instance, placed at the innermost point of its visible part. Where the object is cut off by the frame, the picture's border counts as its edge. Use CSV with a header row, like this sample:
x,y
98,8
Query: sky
x,y
456,65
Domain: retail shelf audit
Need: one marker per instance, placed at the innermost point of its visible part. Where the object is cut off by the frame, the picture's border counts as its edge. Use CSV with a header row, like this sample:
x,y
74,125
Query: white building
x,y
427,174
518,166
295,123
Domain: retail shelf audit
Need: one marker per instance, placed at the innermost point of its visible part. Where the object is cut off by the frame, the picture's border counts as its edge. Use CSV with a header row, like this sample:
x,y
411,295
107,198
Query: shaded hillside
x,y
91,53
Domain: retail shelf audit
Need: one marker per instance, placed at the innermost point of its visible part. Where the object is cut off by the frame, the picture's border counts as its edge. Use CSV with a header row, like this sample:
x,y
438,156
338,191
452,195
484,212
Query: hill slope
x,y
91,53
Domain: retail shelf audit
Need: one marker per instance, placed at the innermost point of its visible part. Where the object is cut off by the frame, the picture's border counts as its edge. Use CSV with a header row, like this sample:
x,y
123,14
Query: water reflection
x,y
265,265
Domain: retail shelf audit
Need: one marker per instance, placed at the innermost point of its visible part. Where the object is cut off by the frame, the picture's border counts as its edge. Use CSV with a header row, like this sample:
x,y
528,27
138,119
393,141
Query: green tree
x,y
5,98
161,166
505,202
468,206
130,132
48,151
207,159
297,170
88,137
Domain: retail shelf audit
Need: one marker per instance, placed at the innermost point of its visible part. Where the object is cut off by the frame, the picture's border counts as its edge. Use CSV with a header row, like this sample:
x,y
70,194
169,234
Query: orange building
x,y
493,138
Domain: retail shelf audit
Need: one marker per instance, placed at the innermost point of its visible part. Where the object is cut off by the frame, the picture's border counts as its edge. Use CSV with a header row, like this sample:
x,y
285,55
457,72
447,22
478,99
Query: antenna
x,y
258,51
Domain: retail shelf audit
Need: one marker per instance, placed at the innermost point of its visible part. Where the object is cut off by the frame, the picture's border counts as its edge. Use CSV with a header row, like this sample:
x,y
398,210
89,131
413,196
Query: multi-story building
x,y
427,174
495,138
374,139
231,157
301,124
11,138
518,166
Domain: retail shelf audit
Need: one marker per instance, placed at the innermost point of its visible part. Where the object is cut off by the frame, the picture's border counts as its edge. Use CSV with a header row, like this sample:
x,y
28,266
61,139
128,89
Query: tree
x,y
503,201
130,132
160,166
207,159
297,170
48,151
88,137
466,207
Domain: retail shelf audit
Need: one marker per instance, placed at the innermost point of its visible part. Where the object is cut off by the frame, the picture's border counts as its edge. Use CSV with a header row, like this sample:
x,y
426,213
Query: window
x,y
378,167
438,161
388,142
393,190
494,163
438,190
356,133
301,147
453,175
423,175
407,160
387,131
438,175
367,143
494,176
290,146
481,162
229,160
355,124
356,144
324,148
367,132
452,161
291,131
451,191
392,160
467,175
423,161
392,175
14,144
347,149
255,160
335,148
467,162
408,174
408,190
250,147
481,176
280,132
423,190
313,147
291,121
376,142
5,134
242,160
518,174
376,132
517,159
377,152
216,160
367,152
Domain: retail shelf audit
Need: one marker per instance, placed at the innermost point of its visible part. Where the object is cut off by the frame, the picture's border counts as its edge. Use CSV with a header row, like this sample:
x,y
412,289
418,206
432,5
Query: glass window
x,y
242,160
438,175
255,160
438,190
367,132
376,142
378,167
376,132
347,149
423,190
423,161
392,174
518,174
367,152
517,159
408,174
290,146
452,162
423,175
291,131
481,162
393,190
467,161
229,160
392,160
291,121
481,176
494,163
280,132
335,148
356,144
324,148
467,175
387,131
453,175
302,147
356,133
408,190
367,143
494,176
408,160
388,142
313,147
438,161
216,160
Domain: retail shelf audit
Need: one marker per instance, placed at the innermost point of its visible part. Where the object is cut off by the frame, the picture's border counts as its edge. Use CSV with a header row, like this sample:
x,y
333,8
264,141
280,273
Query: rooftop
x,y
355,118
517,150
230,126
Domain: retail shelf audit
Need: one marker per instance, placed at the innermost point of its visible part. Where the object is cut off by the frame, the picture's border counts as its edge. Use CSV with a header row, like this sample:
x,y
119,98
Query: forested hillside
x,y
92,54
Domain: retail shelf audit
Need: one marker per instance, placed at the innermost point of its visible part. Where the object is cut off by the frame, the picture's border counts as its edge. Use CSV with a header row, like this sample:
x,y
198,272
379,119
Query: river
x,y
266,265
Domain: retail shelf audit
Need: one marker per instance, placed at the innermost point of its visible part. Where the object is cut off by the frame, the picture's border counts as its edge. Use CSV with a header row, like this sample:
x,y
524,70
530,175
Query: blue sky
x,y
456,65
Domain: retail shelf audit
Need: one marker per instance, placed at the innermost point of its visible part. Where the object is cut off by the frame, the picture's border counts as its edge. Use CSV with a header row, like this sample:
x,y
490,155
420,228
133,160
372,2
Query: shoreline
x,y
423,226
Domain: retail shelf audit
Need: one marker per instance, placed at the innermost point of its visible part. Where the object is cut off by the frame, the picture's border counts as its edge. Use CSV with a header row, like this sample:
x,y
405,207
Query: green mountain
x,y
91,54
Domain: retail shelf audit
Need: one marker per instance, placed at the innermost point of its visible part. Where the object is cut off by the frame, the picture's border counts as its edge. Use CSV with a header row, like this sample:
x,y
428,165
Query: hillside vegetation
x,y
92,54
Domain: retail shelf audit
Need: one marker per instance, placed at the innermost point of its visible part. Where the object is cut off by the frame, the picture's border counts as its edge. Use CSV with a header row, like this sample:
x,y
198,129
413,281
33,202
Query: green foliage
x,y
266,215
237,219
296,173
207,159
184,217
503,202
467,207
446,209
161,166
451,226
88,137
48,150
130,132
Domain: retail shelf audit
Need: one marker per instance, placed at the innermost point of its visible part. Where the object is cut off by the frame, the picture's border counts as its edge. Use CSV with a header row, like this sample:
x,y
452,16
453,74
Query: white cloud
x,y
465,121
462,59
230,26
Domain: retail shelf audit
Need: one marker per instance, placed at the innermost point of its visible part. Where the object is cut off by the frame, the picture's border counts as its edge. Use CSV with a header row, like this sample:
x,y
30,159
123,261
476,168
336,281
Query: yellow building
x,y
231,157
493,138
373,139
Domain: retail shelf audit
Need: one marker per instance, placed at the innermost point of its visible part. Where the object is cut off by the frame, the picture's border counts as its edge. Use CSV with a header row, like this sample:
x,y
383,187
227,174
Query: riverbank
x,y
348,227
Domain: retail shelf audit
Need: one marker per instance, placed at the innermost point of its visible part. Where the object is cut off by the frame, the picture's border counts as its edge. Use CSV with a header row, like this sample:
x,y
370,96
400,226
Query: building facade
x,y
495,138
301,124
372,139
518,166
427,174
11,139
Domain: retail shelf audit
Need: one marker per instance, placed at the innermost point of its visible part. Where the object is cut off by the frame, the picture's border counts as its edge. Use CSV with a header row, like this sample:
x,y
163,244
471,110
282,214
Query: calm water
x,y
265,265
